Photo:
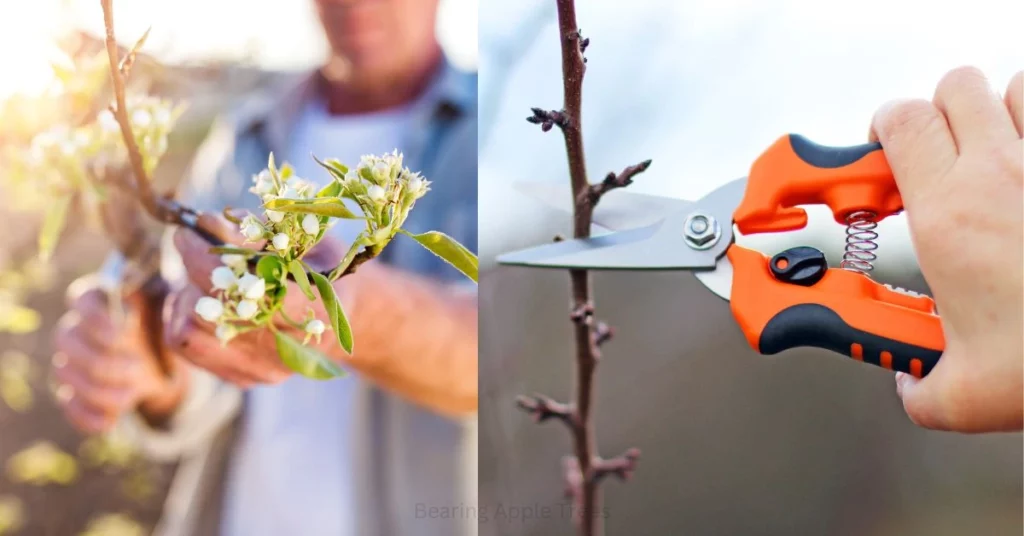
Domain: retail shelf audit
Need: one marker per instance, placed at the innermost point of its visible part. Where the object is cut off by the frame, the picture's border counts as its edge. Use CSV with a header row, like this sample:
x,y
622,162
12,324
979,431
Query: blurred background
x,y
208,54
733,443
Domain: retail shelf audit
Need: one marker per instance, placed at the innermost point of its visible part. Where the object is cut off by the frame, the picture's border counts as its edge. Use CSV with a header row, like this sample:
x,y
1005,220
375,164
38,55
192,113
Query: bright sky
x,y
190,30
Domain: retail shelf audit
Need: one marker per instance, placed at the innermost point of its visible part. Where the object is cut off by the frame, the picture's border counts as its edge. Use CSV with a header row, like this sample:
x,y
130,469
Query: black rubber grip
x,y
823,156
817,326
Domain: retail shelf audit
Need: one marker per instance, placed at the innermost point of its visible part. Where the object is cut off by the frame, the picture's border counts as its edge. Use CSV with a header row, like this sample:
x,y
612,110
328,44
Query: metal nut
x,y
701,230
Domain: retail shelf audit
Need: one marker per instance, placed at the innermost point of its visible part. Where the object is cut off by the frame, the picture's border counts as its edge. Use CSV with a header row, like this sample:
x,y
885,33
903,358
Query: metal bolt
x,y
701,230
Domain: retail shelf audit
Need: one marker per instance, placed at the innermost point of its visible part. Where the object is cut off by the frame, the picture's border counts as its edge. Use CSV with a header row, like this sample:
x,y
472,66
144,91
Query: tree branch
x,y
613,181
621,466
543,408
589,334
163,209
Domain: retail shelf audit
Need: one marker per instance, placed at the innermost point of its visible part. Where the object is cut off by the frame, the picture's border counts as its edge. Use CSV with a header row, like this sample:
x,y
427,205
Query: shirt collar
x,y
272,116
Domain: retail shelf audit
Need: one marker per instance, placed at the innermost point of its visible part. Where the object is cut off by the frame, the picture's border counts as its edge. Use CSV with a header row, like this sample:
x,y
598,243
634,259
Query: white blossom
x,y
233,261
275,216
246,309
223,278
280,242
415,184
376,193
263,183
251,228
210,309
381,170
162,116
252,286
107,122
315,327
311,224
290,192
141,118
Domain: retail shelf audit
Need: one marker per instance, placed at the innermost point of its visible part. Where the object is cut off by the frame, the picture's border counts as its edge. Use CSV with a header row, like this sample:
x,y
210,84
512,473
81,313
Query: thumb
x,y
930,402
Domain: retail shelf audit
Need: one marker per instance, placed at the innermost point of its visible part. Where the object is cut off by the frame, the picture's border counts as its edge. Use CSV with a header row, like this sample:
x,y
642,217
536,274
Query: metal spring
x,y
860,242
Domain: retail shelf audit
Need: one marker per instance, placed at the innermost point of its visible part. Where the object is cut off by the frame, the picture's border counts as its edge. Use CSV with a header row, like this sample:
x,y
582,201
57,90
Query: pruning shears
x,y
792,299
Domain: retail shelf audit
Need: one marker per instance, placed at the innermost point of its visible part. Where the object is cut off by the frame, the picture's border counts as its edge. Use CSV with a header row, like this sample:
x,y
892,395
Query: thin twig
x,y
543,408
163,209
589,333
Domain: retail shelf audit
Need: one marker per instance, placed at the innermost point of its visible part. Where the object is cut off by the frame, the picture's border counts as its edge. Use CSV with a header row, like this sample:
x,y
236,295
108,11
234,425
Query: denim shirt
x,y
408,459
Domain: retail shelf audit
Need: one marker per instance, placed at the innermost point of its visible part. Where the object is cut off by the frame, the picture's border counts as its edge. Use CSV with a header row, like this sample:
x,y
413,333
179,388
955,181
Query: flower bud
x,y
247,309
233,261
275,216
223,278
376,193
381,171
210,309
415,184
252,286
280,242
251,228
311,224
315,327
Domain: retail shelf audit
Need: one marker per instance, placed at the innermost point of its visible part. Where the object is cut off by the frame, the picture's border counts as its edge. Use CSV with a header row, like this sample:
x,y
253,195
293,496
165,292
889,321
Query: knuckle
x,y
1016,86
962,77
907,119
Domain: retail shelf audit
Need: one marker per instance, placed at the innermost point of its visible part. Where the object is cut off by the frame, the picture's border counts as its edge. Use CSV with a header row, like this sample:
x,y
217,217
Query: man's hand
x,y
958,164
105,367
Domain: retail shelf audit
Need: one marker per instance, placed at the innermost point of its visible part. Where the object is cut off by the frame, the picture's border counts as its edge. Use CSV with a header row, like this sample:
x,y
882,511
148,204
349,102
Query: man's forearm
x,y
414,337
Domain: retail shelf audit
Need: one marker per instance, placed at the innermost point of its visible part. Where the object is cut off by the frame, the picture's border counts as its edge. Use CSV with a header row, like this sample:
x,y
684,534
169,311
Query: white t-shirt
x,y
292,470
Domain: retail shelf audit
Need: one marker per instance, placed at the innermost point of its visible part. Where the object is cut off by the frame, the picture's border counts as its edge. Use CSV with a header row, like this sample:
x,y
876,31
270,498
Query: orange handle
x,y
795,171
835,309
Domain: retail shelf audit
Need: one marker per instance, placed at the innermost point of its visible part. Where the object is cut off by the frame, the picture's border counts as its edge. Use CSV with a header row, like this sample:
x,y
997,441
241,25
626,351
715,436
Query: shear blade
x,y
618,209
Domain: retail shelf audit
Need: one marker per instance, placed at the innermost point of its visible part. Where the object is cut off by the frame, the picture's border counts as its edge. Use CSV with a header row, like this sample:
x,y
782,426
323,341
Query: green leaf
x,y
326,206
331,190
53,224
448,249
230,250
333,166
339,322
270,268
299,273
305,360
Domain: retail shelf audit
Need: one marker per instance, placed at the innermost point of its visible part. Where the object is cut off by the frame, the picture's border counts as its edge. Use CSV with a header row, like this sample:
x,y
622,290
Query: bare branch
x,y
621,466
613,181
543,408
588,333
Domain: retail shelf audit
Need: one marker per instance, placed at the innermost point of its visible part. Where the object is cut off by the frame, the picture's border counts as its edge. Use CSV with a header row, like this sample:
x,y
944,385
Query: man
x,y
363,455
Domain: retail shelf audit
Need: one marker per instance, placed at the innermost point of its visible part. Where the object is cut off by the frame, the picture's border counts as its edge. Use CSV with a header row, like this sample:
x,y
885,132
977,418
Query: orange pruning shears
x,y
792,299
